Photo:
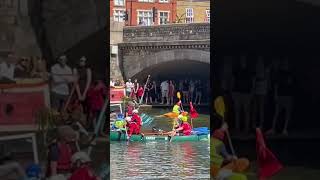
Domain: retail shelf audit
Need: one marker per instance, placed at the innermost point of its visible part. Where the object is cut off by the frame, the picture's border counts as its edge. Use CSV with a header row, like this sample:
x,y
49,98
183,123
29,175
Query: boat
x,y
158,137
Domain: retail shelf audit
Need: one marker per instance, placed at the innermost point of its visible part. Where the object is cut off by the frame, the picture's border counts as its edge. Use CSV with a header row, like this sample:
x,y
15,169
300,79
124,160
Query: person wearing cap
x,y
82,164
134,124
184,127
84,74
61,151
62,76
130,108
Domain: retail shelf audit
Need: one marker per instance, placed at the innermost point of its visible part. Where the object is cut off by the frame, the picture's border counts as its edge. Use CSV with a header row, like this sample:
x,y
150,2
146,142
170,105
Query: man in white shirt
x,y
62,76
129,86
112,84
7,66
164,90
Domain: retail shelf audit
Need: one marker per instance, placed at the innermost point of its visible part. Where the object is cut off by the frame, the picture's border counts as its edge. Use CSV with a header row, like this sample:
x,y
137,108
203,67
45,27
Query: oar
x,y
144,89
179,97
100,119
220,109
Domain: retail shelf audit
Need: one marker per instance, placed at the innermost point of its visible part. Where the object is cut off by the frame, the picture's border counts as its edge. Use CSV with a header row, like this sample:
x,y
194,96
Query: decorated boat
x,y
114,136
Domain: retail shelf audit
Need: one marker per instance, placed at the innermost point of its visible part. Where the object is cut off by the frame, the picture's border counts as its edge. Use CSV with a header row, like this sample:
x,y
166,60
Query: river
x,y
161,160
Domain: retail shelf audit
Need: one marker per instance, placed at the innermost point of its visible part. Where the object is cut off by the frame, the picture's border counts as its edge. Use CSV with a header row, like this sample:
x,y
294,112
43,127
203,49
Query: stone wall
x,y
16,33
68,22
116,36
173,32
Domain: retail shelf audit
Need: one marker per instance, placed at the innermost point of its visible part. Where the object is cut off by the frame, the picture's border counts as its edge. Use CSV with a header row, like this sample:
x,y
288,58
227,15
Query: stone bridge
x,y
167,51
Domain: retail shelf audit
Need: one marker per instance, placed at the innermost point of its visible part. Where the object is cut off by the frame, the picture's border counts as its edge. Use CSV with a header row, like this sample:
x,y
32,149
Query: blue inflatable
x,y
201,131
33,171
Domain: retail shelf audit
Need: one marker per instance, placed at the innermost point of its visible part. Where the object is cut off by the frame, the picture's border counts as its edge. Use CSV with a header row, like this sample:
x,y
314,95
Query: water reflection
x,y
160,160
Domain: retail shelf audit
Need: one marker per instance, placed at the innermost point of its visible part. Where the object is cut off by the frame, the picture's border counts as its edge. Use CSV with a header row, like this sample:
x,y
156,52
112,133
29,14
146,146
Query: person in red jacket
x,y
61,151
96,97
134,124
83,170
140,93
184,128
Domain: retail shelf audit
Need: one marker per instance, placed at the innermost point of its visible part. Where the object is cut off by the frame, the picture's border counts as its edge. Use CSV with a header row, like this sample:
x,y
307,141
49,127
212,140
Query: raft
x,y
202,137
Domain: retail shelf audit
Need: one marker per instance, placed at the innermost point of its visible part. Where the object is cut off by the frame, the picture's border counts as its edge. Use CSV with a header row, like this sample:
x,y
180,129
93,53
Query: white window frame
x,y
189,16
120,18
163,1
145,10
147,1
163,12
124,2
208,15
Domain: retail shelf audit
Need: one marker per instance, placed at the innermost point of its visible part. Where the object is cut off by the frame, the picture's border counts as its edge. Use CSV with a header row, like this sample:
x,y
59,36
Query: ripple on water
x,y
160,160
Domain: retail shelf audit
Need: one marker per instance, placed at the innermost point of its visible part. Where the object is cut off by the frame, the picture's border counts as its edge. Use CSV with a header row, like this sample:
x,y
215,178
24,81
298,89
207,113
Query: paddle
x,y
144,89
220,109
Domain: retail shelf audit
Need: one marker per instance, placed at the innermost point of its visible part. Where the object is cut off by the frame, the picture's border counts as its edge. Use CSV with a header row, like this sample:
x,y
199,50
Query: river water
x,y
161,160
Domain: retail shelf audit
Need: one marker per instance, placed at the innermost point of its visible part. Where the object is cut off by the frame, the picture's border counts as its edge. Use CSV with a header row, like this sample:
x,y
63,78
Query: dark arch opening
x,y
176,70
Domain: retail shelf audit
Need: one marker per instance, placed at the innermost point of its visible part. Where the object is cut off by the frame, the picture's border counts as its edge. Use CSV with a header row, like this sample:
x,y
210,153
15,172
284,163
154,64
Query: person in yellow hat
x,y
184,128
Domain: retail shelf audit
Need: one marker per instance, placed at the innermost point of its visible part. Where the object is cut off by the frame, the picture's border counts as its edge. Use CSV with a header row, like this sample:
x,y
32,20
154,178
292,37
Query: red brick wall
x,y
133,5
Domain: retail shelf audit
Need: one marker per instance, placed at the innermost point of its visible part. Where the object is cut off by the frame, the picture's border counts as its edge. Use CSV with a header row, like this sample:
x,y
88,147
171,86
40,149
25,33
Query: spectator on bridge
x,y
199,89
185,91
283,95
171,92
84,79
164,91
129,87
62,76
242,96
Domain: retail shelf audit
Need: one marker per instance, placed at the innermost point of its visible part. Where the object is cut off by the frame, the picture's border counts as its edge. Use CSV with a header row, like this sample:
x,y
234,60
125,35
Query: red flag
x,y
193,112
267,162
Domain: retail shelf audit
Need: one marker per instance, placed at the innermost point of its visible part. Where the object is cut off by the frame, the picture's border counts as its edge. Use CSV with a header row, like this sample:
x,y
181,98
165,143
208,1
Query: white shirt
x,y
164,86
129,86
7,70
61,78
111,84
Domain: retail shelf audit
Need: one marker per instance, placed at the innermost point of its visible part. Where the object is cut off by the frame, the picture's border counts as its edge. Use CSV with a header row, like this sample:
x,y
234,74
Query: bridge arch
x,y
178,63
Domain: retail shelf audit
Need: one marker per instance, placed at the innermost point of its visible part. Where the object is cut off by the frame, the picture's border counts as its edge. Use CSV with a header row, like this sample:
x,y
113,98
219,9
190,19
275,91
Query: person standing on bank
x,y
283,97
129,87
84,77
260,87
62,76
242,83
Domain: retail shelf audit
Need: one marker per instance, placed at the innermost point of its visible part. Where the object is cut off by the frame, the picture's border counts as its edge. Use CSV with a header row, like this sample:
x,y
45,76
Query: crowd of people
x,y
13,67
156,92
266,87
77,99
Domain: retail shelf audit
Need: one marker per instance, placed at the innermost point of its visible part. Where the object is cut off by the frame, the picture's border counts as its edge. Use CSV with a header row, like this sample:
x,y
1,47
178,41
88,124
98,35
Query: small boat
x,y
158,137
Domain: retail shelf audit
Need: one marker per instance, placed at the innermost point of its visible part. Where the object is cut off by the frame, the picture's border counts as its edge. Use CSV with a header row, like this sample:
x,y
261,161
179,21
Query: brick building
x,y
193,11
140,12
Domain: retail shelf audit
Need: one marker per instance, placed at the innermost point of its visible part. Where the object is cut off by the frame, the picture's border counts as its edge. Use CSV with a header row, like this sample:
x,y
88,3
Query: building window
x,y
207,15
145,0
119,2
118,15
163,17
163,1
189,15
145,18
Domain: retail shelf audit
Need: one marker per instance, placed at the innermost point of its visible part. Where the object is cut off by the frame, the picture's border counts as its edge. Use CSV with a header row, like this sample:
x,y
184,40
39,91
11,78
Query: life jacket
x,y
119,124
64,160
186,129
216,158
137,119
82,173
176,109
129,110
